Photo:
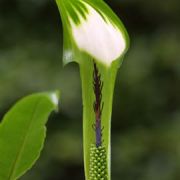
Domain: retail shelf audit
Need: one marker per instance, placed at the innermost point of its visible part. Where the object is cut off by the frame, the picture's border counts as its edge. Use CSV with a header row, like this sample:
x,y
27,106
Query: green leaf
x,y
22,133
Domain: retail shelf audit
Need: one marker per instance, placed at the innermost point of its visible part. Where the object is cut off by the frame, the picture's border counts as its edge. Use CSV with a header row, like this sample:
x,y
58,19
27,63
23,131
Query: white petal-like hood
x,y
98,37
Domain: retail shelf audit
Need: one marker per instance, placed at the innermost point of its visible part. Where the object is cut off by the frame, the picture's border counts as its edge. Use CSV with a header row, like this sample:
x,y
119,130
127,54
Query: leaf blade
x,y
23,129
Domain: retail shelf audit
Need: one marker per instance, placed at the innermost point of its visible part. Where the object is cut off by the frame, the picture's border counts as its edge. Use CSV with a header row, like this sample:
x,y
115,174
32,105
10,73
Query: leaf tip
x,y
54,97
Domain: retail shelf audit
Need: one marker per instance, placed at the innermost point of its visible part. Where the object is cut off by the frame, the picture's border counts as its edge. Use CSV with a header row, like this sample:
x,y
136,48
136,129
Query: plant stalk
x,y
108,76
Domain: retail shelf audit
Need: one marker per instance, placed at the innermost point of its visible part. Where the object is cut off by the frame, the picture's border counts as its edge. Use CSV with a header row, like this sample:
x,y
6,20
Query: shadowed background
x,y
146,113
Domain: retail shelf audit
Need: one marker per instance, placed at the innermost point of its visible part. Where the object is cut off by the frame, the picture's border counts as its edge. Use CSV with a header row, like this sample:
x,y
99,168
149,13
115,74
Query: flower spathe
x,y
98,37
93,30
95,38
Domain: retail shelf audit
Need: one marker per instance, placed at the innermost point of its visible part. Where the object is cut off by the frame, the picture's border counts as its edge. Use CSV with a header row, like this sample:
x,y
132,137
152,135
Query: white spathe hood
x,y
98,37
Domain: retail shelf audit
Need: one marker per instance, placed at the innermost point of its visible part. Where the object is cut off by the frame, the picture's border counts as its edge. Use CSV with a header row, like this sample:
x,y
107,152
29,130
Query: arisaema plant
x,y
96,39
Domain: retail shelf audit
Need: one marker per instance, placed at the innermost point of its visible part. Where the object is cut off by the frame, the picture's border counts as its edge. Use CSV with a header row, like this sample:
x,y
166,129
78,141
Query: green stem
x,y
108,78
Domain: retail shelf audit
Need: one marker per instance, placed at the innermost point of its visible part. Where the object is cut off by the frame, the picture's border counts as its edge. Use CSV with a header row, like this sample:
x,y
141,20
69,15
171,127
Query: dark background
x,y
146,113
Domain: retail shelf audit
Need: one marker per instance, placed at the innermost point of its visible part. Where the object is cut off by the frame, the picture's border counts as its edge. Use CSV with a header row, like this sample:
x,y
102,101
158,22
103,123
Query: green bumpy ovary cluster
x,y
98,163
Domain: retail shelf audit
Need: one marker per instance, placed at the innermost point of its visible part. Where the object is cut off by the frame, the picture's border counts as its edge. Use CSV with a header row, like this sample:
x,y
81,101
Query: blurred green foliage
x,y
146,113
